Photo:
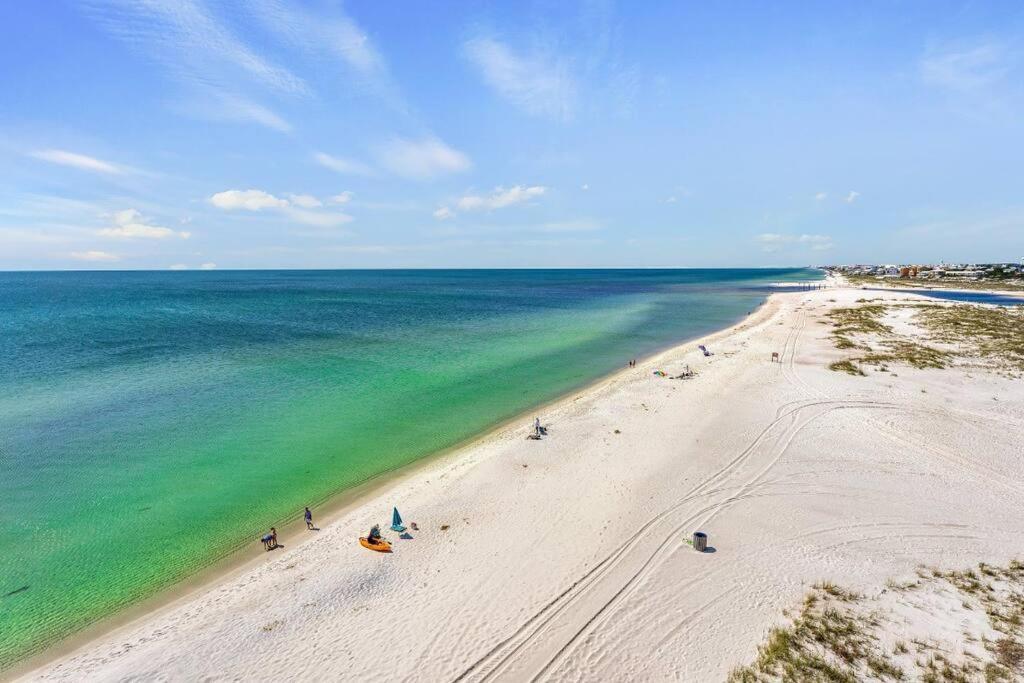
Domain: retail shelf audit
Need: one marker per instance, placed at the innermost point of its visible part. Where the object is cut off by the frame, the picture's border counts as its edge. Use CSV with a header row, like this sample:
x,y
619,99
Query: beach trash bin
x,y
700,541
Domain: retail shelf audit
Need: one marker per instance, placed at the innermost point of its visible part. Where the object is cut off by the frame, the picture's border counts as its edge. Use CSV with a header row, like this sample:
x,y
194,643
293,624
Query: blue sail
x,y
396,521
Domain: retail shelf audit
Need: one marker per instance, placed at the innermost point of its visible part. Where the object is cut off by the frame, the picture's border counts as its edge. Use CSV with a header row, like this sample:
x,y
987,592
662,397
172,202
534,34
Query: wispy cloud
x,y
306,201
75,160
318,219
499,198
577,225
94,255
421,159
342,197
774,241
199,50
342,165
191,42
332,35
130,224
218,105
539,83
821,196
851,197
965,68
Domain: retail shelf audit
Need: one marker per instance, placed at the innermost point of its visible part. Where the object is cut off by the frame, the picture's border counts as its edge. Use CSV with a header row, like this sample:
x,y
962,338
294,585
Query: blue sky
x,y
258,134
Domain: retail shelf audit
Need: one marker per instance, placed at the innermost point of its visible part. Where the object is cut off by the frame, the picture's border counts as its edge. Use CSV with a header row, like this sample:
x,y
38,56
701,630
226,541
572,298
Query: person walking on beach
x,y
536,426
273,538
309,519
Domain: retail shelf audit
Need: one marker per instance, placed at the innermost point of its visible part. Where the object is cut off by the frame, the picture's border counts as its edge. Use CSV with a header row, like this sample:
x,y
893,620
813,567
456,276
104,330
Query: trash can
x,y
700,541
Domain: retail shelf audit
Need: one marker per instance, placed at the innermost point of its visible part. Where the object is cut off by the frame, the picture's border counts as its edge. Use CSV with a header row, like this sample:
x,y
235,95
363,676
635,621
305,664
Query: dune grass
x,y
841,636
991,335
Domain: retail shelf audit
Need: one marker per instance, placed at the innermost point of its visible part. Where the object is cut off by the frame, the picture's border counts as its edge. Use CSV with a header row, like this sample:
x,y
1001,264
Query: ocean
x,y
153,423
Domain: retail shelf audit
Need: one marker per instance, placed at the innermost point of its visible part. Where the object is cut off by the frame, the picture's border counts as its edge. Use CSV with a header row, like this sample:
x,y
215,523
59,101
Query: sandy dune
x,y
567,558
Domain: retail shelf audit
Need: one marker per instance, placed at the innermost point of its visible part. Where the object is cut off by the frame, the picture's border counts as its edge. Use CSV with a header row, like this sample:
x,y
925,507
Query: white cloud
x,y
340,165
129,223
585,186
207,266
538,84
342,198
851,197
80,161
421,159
250,200
500,198
94,255
821,196
299,208
671,200
965,68
177,266
306,201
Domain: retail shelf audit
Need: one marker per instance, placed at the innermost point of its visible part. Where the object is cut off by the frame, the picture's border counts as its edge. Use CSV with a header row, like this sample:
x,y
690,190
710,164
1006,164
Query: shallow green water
x,y
152,423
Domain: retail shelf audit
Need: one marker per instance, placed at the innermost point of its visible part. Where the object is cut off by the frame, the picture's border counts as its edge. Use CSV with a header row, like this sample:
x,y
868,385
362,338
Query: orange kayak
x,y
380,546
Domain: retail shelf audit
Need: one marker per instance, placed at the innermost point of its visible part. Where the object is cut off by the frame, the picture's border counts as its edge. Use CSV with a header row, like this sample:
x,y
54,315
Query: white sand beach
x,y
567,558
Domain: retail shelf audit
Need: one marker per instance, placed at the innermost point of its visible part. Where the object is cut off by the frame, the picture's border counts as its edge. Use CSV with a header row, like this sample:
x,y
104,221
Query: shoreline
x,y
336,506
568,558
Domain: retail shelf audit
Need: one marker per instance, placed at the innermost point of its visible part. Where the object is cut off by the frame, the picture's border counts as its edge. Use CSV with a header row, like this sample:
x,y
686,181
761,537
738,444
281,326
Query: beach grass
x,y
993,333
989,336
840,635
846,366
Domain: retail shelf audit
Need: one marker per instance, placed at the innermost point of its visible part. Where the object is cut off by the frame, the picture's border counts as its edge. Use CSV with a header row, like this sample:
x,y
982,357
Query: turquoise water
x,y
152,423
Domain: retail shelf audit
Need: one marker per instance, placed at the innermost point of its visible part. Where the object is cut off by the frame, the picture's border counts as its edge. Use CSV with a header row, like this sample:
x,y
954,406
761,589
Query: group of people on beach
x,y
269,539
632,363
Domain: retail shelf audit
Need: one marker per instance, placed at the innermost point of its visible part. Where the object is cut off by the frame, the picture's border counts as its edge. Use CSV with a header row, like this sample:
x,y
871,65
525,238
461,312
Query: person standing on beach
x,y
536,426
273,538
309,519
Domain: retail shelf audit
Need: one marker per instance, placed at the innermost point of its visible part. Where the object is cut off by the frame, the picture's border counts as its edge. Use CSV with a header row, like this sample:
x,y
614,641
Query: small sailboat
x,y
396,522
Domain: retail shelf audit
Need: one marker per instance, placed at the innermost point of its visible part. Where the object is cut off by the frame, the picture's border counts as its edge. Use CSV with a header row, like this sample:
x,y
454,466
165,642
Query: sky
x,y
201,134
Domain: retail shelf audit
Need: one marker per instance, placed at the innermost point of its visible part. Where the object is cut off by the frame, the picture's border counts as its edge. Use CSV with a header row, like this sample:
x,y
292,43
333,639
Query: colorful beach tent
x,y
396,522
